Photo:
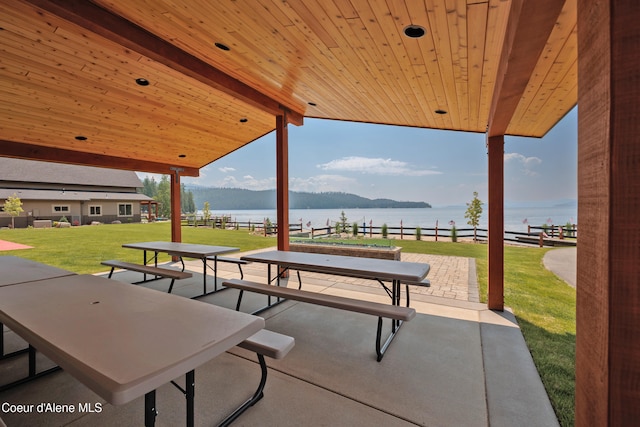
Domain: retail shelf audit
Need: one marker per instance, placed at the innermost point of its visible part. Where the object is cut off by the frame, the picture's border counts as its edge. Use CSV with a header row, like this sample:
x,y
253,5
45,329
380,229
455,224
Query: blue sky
x,y
438,167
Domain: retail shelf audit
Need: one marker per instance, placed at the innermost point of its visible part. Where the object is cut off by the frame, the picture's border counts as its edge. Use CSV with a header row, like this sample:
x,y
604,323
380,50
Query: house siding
x,y
78,212
41,186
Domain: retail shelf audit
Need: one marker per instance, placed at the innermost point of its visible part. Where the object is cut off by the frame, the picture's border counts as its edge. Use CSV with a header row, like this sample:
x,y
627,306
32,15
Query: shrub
x,y
454,234
418,233
384,231
354,229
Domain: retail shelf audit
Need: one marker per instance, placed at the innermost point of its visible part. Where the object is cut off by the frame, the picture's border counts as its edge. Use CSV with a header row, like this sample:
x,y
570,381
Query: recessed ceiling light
x,y
440,112
222,46
182,156
142,82
313,104
244,120
81,138
414,31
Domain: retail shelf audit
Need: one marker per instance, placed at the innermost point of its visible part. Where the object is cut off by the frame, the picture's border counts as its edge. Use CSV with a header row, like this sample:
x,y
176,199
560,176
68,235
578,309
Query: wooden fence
x,y
267,228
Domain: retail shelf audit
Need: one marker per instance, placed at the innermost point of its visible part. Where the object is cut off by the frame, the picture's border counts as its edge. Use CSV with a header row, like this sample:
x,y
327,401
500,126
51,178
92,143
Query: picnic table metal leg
x,y
13,353
259,393
204,276
190,395
382,348
215,273
396,301
144,259
150,409
32,364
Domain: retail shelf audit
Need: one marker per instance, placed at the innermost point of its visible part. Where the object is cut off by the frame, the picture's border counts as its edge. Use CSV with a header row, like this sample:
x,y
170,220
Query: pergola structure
x,y
171,86
149,204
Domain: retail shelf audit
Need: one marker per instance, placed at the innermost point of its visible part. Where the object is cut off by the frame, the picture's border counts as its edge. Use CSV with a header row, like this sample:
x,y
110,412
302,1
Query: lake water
x,y
516,219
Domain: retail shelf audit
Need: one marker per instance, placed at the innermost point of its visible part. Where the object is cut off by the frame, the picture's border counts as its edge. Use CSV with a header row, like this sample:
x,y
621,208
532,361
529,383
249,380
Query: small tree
x,y
206,213
13,206
473,213
268,226
343,223
454,231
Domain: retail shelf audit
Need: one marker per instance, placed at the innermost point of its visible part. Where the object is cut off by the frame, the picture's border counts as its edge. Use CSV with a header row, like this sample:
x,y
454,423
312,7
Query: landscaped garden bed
x,y
348,249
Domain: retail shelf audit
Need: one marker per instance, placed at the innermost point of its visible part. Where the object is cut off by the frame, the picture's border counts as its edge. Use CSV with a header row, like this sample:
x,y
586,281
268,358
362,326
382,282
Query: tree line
x,y
238,198
161,192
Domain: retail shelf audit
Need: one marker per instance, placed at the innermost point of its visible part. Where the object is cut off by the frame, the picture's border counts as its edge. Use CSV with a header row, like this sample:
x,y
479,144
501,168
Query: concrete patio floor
x,y
455,364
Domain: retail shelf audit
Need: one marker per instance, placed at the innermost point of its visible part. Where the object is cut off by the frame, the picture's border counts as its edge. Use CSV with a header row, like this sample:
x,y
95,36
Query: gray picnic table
x,y
119,340
188,250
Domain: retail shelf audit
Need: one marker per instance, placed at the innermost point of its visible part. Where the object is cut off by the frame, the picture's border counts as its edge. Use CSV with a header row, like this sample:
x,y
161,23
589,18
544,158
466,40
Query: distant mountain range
x,y
238,198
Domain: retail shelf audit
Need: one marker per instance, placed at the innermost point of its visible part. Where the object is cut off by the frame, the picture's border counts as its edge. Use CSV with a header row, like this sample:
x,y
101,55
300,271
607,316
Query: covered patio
x,y
456,363
169,87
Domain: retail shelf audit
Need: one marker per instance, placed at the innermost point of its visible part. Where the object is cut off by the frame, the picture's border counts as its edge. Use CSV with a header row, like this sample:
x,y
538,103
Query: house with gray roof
x,y
81,194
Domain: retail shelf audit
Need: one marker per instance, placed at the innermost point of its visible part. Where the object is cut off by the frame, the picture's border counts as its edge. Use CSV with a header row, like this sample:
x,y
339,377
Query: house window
x,y
95,210
125,209
61,209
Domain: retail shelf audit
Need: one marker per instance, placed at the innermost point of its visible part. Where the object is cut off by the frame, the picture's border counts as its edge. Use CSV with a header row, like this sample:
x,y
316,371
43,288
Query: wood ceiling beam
x,y
125,33
528,29
21,150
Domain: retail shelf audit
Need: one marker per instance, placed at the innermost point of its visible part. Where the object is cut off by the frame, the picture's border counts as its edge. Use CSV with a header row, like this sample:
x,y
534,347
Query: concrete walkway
x,y
562,262
455,364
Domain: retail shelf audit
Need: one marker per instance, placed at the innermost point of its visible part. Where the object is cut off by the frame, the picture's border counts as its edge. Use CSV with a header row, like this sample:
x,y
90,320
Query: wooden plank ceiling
x,y
68,69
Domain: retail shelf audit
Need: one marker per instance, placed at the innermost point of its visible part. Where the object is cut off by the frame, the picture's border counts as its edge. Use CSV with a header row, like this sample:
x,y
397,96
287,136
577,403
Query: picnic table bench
x,y
394,312
147,269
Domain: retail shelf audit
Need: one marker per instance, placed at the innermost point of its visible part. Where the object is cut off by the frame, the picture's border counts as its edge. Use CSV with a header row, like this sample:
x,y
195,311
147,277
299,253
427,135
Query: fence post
x,y
436,232
541,240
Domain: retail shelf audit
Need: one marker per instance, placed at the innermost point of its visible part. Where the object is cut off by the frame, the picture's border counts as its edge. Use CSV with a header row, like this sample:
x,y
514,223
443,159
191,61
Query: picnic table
x,y
396,272
381,270
188,250
85,324
15,270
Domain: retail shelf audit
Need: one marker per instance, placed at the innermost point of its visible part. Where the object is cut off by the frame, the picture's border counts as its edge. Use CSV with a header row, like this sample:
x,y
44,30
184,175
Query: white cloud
x,y
226,169
528,163
375,166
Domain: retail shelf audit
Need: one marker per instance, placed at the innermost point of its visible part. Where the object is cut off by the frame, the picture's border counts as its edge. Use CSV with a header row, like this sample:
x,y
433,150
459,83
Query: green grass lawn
x,y
81,249
544,305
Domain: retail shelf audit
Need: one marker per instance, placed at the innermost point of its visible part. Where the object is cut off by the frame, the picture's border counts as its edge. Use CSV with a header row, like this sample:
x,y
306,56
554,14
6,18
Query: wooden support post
x,y
495,145
176,207
608,271
282,181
